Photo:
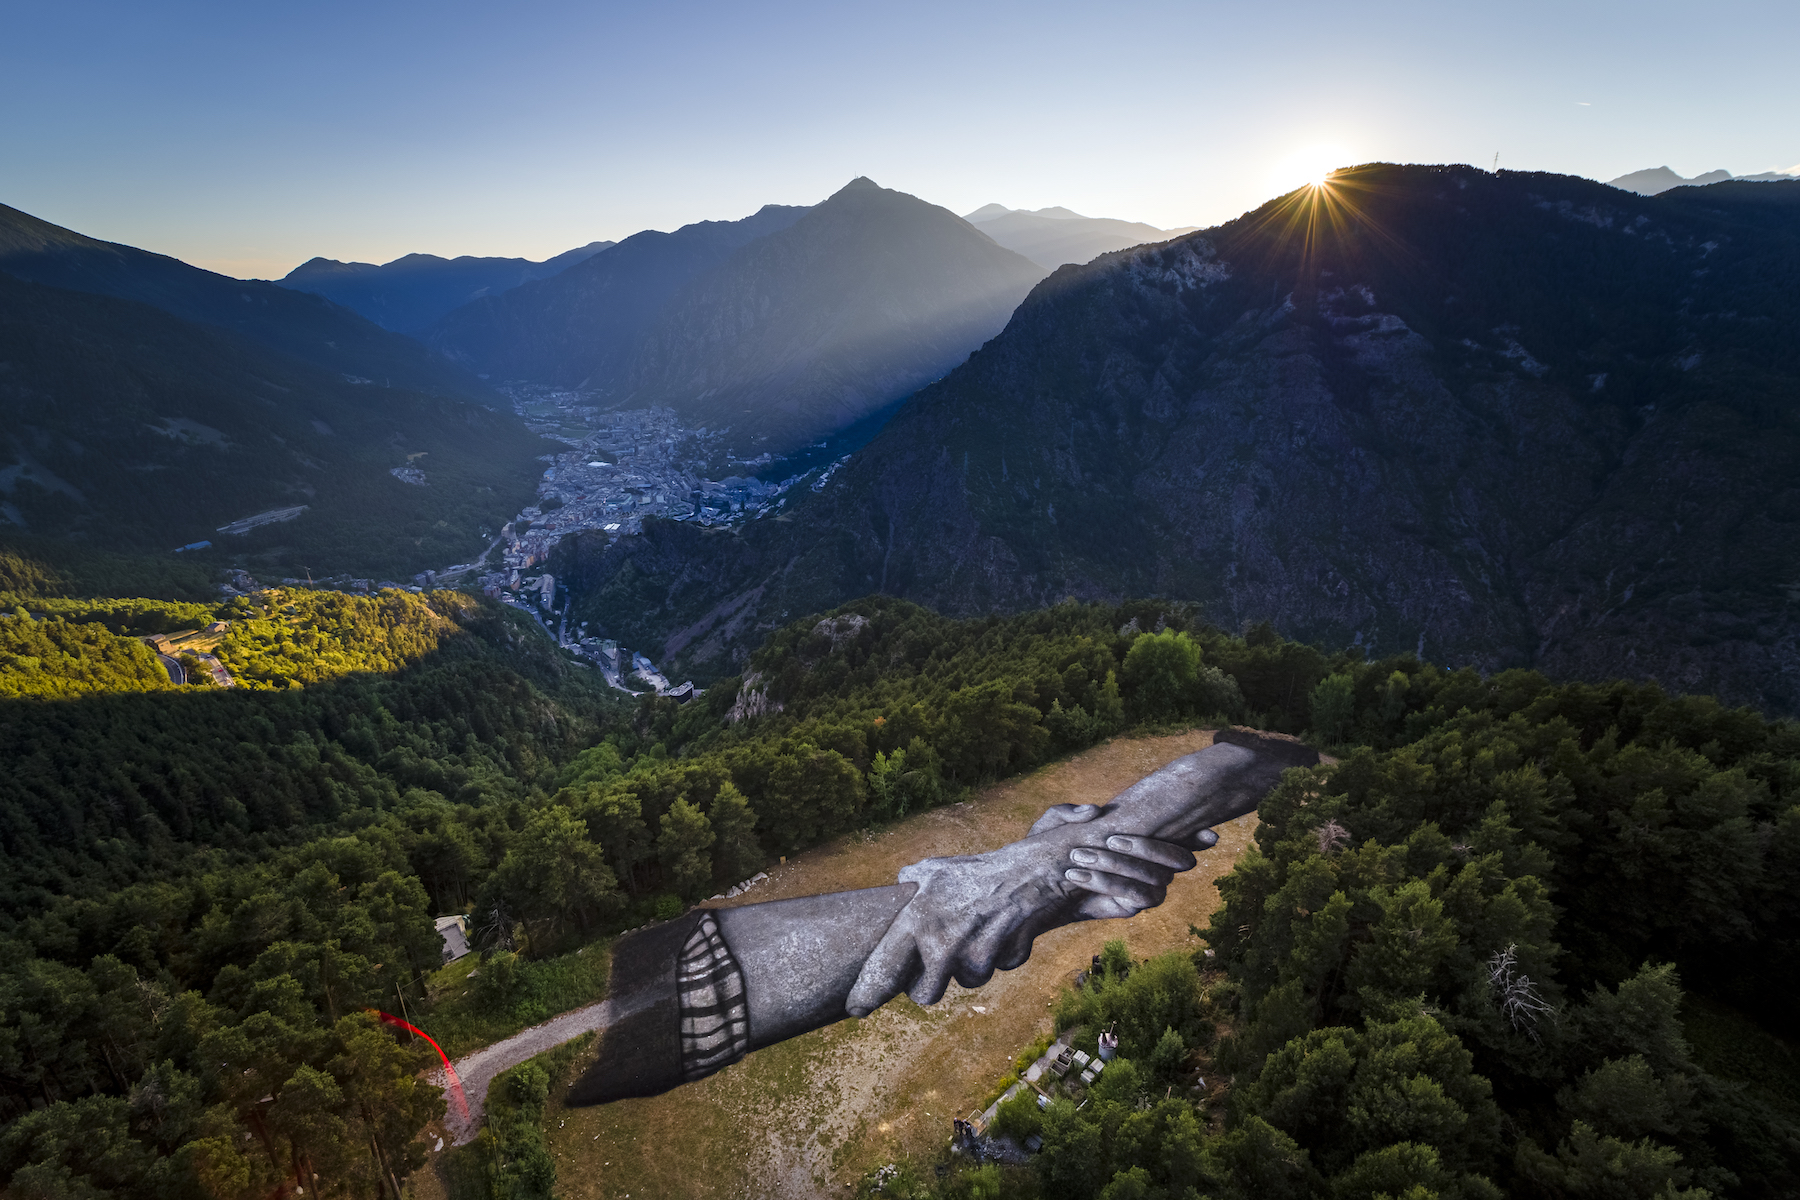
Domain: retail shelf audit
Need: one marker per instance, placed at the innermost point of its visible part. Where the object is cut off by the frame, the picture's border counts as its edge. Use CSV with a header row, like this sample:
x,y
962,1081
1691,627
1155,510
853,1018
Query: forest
x,y
1455,965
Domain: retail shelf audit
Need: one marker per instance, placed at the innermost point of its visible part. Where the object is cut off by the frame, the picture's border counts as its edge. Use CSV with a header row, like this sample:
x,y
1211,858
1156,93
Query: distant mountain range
x,y
308,327
145,403
1051,237
1514,420
1654,181
581,327
410,293
784,326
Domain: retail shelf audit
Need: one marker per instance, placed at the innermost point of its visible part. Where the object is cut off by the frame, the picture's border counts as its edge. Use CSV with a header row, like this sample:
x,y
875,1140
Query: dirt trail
x,y
809,1115
477,1070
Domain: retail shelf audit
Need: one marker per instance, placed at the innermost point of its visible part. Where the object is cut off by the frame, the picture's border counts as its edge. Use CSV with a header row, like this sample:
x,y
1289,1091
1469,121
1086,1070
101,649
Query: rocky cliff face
x,y
1514,420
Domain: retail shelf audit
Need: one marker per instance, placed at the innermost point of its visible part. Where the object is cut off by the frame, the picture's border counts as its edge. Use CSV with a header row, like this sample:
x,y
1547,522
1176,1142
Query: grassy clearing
x,y
507,994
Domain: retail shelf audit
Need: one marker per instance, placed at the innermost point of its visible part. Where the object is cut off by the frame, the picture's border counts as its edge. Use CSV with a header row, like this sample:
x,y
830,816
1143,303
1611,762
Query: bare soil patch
x,y
808,1116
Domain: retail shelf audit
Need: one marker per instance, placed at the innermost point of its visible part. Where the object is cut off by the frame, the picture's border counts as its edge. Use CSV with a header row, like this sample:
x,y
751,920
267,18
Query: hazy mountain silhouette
x,y
411,292
1522,419
584,323
867,297
1656,180
1051,237
308,327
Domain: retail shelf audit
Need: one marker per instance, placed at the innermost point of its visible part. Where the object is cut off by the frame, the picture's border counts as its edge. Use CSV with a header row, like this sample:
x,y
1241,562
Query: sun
x,y
1310,166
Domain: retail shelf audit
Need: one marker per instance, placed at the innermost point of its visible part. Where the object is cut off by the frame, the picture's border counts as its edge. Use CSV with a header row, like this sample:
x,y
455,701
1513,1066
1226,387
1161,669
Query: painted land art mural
x,y
693,995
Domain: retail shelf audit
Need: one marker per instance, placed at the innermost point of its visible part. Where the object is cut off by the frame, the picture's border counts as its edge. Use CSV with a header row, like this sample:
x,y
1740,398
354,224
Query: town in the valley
x,y
623,466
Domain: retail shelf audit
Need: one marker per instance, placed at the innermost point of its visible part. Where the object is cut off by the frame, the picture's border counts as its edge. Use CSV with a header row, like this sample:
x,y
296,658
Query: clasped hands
x,y
973,914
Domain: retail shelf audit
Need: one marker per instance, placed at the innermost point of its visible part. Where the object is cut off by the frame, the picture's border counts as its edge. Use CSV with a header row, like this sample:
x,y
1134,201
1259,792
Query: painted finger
x,y
979,957
1064,814
887,970
1120,887
934,977
1206,839
1017,949
1098,907
1168,854
1121,864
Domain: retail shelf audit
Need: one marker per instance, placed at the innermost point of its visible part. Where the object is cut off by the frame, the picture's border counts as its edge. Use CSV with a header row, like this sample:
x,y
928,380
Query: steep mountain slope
x,y
585,323
308,327
1513,420
411,292
1051,237
867,297
124,428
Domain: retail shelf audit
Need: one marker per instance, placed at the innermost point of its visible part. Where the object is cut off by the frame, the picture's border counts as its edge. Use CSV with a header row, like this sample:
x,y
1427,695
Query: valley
x,y
801,548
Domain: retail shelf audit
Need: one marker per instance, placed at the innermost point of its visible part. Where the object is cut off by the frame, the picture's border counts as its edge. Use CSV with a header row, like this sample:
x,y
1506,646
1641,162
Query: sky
x,y
249,137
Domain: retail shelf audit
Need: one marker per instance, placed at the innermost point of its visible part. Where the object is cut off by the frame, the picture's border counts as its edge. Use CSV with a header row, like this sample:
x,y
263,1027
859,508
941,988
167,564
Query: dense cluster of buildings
x,y
622,468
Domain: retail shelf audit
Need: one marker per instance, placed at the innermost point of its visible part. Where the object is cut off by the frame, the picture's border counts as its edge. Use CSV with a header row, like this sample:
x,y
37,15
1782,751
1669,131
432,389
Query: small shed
x,y
455,932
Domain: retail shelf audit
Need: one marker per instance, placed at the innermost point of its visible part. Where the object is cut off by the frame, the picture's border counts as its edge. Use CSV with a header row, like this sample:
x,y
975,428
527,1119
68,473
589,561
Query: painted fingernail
x,y
858,1012
1118,843
1084,856
1078,876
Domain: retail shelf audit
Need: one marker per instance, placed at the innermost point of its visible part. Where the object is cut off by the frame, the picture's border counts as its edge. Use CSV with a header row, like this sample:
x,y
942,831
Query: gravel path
x,y
477,1070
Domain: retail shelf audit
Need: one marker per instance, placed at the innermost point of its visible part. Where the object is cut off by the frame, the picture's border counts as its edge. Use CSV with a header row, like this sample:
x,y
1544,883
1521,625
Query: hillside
x,y
1509,420
123,428
411,292
579,327
1051,237
203,890
308,327
865,298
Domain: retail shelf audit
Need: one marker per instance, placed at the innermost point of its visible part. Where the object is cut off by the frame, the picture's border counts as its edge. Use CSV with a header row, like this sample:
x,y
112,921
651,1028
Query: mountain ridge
x,y
583,321
411,292
1654,181
1053,237
866,297
1456,428
300,324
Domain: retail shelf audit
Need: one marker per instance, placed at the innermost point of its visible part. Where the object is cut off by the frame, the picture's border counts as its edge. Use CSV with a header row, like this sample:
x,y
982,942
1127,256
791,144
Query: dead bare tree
x,y
1518,997
1332,837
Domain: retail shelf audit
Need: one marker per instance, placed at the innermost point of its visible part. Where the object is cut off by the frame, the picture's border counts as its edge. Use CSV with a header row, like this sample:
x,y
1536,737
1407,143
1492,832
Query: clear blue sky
x,y
249,136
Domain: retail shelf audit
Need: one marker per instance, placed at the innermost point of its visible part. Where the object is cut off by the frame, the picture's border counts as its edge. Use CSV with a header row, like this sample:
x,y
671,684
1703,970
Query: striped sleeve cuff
x,y
715,1025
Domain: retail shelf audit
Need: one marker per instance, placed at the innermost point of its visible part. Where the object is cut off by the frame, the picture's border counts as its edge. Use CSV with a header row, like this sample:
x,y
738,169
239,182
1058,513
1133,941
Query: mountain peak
x,y
1654,181
986,212
862,183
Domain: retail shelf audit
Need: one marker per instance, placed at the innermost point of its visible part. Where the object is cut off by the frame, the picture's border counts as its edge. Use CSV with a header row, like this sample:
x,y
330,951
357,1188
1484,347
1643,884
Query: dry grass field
x,y
803,1118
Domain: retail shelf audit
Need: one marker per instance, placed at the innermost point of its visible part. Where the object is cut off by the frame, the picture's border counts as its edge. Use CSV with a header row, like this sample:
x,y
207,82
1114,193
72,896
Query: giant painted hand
x,y
696,994
977,913
974,913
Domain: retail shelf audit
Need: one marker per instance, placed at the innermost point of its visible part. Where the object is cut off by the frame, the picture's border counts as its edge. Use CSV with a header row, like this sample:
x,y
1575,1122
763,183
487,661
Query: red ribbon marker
x,y
456,1088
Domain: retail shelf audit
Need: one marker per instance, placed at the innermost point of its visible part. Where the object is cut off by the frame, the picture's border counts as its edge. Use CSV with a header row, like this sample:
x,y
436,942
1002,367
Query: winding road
x,y
476,1071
